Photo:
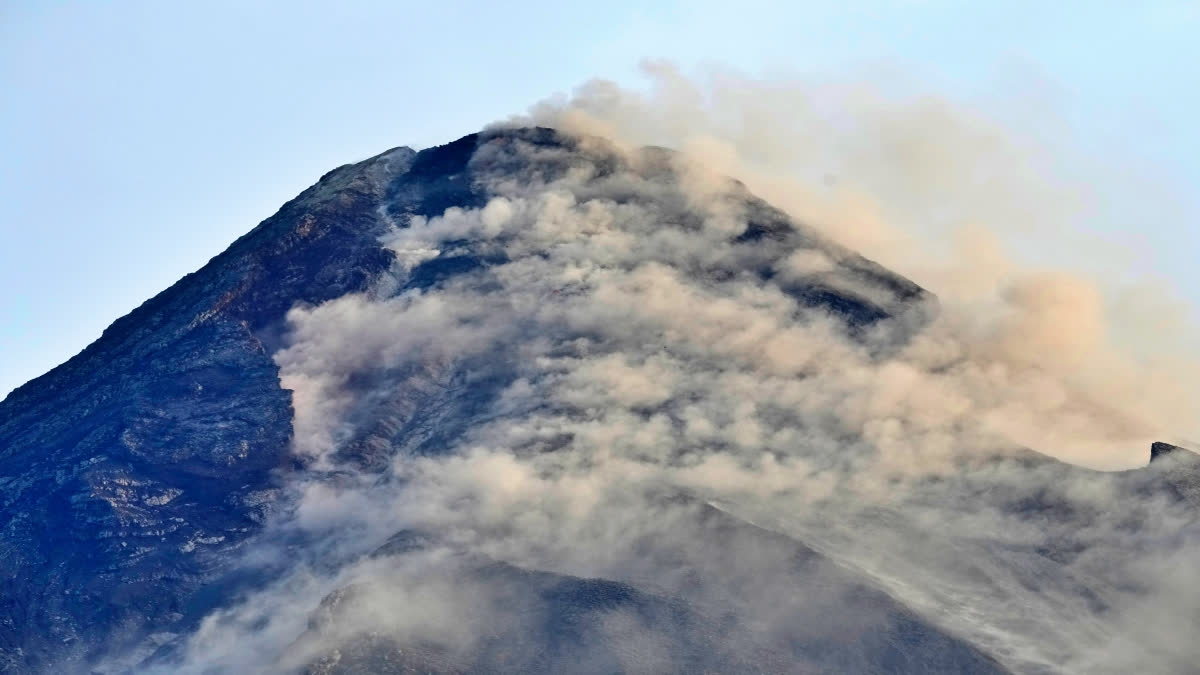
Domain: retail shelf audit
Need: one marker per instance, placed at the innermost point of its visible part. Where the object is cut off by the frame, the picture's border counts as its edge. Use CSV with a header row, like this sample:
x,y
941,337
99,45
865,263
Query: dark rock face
x,y
133,472
1160,450
1177,471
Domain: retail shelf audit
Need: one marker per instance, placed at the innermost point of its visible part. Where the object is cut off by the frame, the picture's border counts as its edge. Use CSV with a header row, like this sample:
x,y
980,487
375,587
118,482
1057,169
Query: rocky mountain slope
x,y
288,461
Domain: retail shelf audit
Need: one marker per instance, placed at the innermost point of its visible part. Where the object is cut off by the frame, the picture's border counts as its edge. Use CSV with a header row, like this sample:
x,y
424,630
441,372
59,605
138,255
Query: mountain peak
x,y
508,379
1160,450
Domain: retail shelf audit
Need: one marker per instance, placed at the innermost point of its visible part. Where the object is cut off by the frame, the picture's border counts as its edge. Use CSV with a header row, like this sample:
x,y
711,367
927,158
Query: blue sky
x,y
137,140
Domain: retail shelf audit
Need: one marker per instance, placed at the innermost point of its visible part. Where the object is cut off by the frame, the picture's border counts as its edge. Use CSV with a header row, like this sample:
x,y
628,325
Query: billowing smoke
x,y
629,334
942,193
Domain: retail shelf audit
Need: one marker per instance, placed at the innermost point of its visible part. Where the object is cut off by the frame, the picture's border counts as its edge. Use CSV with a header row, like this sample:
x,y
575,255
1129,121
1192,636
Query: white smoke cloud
x,y
941,193
642,350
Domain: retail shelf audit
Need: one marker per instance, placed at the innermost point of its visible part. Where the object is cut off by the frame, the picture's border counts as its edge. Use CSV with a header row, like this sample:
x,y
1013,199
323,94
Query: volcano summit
x,y
532,402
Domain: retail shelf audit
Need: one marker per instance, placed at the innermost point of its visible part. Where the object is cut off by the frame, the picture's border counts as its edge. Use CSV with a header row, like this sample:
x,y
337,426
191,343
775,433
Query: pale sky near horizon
x,y
139,139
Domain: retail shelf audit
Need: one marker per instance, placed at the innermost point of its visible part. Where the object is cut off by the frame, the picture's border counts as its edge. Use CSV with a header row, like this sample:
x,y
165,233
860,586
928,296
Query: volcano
x,y
531,402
